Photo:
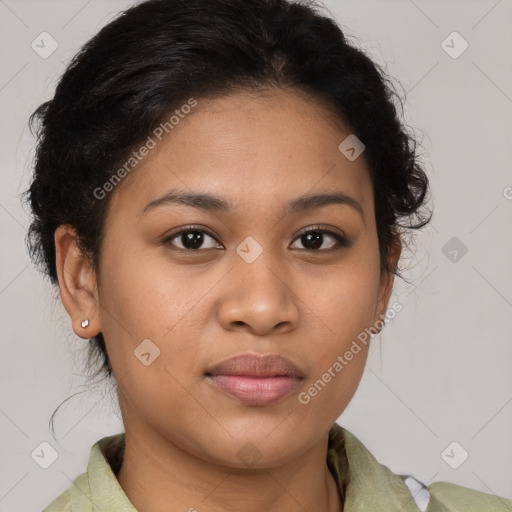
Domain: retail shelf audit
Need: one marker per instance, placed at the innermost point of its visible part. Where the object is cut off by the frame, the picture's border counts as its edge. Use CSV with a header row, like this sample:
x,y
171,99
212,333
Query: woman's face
x,y
246,282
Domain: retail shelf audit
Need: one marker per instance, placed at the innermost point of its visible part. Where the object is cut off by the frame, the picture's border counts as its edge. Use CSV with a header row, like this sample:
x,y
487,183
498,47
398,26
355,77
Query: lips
x,y
254,379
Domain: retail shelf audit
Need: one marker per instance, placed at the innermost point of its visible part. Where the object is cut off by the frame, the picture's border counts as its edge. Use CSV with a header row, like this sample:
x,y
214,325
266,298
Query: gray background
x,y
439,372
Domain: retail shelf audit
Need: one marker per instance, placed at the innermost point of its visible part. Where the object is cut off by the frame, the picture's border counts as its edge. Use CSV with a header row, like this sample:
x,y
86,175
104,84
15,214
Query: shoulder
x,y
98,485
373,486
63,502
445,496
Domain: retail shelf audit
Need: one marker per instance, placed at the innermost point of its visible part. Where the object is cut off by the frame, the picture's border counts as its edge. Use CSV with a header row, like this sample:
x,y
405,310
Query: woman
x,y
221,192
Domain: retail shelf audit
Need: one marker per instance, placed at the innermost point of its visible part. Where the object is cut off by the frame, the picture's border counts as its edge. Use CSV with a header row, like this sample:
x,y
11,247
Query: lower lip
x,y
255,390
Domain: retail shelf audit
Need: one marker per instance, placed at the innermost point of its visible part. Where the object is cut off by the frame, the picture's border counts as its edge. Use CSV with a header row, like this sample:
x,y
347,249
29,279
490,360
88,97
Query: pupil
x,y
314,240
192,239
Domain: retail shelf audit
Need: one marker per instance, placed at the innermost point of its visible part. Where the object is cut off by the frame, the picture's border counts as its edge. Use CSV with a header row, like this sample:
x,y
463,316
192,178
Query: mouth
x,y
254,379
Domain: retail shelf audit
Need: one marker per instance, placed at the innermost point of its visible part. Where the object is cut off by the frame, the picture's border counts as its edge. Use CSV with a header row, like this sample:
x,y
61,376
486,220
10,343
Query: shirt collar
x,y
369,484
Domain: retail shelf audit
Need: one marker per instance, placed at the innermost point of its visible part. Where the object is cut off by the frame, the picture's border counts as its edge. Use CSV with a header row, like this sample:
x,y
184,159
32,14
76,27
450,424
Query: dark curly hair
x,y
154,56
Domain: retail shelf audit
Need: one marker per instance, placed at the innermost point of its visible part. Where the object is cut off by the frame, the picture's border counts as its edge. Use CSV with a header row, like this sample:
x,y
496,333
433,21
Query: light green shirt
x,y
371,486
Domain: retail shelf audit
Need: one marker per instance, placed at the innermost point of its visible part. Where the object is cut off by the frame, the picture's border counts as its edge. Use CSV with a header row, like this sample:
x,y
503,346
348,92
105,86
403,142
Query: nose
x,y
259,298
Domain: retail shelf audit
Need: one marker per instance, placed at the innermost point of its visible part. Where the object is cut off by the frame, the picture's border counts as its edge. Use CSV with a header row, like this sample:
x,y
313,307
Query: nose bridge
x,y
259,268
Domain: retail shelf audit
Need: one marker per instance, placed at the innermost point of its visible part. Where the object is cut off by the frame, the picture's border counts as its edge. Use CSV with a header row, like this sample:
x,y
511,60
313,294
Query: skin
x,y
258,151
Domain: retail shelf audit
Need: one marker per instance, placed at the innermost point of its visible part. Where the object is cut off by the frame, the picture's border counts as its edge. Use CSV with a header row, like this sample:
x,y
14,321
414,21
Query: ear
x,y
386,283
77,283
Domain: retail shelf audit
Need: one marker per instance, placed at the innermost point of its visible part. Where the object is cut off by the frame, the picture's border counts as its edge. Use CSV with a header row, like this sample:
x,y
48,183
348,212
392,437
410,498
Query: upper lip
x,y
253,365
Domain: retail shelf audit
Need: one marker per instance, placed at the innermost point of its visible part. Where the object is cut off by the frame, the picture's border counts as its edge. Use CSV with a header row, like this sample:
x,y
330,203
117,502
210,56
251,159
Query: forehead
x,y
258,149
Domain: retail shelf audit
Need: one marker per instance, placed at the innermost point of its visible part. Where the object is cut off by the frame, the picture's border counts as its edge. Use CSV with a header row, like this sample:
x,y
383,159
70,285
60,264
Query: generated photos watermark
x,y
343,360
150,143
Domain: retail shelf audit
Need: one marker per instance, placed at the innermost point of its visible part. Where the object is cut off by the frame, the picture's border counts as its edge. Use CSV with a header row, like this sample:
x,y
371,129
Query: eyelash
x,y
341,241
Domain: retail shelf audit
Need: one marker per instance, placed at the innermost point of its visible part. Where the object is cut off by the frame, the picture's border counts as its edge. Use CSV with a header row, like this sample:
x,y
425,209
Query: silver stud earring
x,y
85,323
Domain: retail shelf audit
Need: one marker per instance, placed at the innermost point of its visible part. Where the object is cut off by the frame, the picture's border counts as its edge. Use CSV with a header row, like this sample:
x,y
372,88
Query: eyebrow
x,y
209,202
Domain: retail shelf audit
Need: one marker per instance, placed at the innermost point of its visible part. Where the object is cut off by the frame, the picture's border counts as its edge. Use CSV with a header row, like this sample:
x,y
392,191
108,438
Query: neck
x,y
157,475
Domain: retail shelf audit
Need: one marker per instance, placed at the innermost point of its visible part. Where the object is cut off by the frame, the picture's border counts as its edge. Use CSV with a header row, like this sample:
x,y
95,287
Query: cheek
x,y
342,312
146,298
338,351
341,301
136,303
144,315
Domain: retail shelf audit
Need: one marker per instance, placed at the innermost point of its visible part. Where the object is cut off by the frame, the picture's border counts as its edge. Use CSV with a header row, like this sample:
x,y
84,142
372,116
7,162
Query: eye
x,y
192,238
314,237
